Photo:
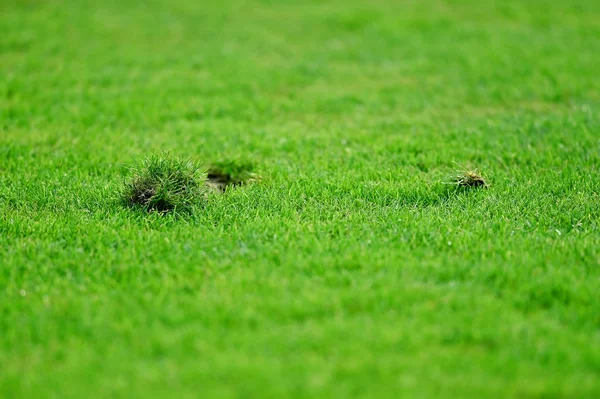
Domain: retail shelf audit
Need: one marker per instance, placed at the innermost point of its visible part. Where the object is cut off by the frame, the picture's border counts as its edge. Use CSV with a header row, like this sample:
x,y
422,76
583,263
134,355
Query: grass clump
x,y
469,179
224,174
165,183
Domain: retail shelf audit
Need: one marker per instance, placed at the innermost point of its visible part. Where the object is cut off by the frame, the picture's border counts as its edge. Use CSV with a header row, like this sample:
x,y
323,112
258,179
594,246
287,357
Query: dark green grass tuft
x,y
165,183
224,174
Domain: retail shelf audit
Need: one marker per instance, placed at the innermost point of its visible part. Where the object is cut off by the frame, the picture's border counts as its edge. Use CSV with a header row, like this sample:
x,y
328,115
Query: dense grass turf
x,y
350,269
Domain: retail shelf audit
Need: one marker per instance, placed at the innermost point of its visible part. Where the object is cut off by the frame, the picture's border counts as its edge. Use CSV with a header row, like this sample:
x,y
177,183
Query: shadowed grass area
x,y
231,173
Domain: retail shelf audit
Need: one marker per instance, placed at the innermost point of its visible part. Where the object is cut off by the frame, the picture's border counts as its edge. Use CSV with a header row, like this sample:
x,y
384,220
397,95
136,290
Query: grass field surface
x,y
349,267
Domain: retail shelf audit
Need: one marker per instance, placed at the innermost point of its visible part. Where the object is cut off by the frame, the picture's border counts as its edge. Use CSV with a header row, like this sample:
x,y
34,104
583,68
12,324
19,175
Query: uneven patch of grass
x,y
471,178
351,270
224,174
165,183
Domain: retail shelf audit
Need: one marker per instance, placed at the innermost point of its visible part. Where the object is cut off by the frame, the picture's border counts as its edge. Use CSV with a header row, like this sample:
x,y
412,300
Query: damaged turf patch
x,y
469,179
165,183
223,175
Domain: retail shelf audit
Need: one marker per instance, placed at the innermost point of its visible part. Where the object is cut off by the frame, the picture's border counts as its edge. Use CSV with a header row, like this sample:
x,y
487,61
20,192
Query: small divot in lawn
x,y
223,175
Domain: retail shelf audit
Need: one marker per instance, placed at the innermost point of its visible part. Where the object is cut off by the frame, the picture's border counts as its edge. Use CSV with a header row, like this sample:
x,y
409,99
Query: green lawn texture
x,y
350,269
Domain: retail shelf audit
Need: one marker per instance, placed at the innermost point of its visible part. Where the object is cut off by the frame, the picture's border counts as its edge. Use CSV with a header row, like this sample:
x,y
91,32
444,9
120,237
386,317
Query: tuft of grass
x,y
224,174
469,178
165,183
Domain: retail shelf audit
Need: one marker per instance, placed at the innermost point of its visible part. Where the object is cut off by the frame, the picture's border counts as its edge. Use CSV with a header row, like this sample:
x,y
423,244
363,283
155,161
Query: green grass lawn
x,y
349,269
